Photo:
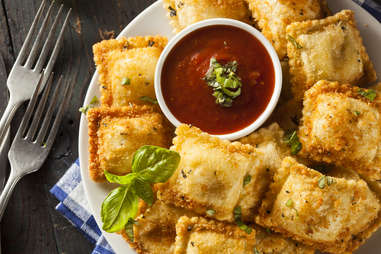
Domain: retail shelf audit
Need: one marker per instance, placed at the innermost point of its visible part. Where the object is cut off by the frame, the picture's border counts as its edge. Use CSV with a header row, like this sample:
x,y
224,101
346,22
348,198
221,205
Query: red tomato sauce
x,y
189,97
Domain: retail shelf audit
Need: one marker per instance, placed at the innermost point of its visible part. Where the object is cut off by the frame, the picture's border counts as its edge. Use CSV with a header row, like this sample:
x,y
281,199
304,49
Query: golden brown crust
x,y
319,216
303,71
183,13
96,115
212,235
155,228
210,174
274,16
271,242
108,52
340,126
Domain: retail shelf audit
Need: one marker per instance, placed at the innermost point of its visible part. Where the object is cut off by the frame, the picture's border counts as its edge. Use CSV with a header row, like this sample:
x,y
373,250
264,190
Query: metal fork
x,y
31,147
27,69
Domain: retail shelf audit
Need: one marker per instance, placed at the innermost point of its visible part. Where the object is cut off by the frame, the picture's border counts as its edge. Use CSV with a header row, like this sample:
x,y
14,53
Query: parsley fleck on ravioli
x,y
327,49
273,16
324,212
116,133
126,68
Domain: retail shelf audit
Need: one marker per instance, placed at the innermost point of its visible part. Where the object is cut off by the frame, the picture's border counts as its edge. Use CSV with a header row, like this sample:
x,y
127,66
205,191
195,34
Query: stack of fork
x,y
32,74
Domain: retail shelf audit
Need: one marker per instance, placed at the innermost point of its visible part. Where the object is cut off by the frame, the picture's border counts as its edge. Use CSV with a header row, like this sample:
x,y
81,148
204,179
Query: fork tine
x,y
58,45
29,110
25,46
37,41
45,124
61,111
40,108
48,43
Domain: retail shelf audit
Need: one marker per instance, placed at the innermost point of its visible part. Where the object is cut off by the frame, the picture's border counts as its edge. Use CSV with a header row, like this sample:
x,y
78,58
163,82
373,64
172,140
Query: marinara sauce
x,y
188,95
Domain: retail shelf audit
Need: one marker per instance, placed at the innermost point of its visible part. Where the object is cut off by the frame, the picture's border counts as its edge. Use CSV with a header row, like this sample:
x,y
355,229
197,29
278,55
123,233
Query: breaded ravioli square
x,y
340,125
326,213
126,68
273,16
183,13
327,49
211,175
155,228
116,133
198,235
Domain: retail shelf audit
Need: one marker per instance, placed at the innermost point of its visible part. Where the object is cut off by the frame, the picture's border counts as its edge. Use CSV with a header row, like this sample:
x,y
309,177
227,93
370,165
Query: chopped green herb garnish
x,y
237,212
210,212
325,180
246,180
224,81
84,109
321,182
357,113
150,165
330,180
256,251
129,228
126,81
294,42
293,142
370,94
94,100
290,203
148,99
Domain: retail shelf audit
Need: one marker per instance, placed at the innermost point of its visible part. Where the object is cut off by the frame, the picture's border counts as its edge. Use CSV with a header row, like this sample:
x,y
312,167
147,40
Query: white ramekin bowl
x,y
230,22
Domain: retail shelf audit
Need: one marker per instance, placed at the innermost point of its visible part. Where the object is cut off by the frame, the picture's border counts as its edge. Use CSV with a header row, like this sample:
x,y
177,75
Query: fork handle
x,y
7,117
7,191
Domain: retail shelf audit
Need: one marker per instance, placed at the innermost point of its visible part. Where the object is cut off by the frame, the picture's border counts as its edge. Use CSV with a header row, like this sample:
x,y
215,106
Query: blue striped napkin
x,y
69,190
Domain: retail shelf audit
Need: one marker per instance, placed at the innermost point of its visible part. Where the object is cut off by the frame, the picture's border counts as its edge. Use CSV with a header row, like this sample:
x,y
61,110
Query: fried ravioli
x,y
327,49
324,212
342,127
126,69
270,242
273,16
198,235
211,175
183,13
116,133
155,228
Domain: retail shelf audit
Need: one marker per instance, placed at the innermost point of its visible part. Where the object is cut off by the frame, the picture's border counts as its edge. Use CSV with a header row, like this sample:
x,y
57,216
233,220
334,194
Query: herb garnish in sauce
x,y
224,81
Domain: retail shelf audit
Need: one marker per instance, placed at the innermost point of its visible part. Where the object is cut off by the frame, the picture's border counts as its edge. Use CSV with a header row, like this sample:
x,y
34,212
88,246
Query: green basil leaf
x,y
122,180
119,206
144,191
155,164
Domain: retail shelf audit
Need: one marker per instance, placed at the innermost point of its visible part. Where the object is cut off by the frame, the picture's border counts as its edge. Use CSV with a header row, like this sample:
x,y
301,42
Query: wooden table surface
x,y
31,224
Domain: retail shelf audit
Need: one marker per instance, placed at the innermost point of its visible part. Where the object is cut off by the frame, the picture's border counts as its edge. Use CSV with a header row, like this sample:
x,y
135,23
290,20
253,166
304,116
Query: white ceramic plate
x,y
153,21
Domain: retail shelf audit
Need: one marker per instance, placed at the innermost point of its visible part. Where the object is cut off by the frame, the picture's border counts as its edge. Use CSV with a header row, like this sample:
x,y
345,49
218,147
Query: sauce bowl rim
x,y
228,22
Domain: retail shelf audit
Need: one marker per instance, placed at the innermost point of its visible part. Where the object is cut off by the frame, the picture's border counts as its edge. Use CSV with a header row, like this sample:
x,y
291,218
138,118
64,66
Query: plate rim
x,y
83,146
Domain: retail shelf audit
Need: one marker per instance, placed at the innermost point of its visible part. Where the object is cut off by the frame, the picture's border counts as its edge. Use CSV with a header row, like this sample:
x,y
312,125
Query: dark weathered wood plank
x,y
31,223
